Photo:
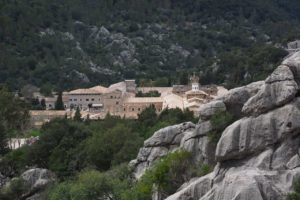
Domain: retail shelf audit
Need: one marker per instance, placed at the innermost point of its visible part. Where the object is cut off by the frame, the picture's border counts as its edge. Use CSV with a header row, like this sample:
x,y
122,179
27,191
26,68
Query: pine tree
x,y
77,116
59,104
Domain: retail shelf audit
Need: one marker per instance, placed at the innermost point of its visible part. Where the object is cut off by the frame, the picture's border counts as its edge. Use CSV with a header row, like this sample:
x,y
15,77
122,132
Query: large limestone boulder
x,y
198,143
38,179
293,62
279,89
195,189
186,136
258,156
254,134
169,136
236,98
160,144
208,110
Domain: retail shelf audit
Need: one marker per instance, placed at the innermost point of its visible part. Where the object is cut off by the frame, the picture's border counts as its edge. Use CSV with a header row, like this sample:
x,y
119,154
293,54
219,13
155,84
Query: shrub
x,y
219,122
296,194
167,175
14,190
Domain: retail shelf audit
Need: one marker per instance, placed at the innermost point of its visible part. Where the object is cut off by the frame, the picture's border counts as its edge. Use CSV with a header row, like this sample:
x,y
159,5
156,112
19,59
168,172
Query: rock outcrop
x,y
3,180
257,156
37,179
279,89
34,181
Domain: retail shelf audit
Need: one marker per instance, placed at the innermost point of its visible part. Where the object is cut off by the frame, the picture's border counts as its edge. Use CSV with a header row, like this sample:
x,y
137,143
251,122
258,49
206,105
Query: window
x,y
87,99
80,99
75,99
93,99
70,99
111,97
124,109
117,103
50,105
132,109
139,109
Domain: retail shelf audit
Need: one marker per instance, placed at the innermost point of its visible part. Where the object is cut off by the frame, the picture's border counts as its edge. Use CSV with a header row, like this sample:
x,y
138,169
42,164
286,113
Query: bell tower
x,y
195,82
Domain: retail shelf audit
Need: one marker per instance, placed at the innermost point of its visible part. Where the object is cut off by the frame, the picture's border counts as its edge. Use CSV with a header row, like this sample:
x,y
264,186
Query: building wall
x,y
180,89
39,117
113,102
50,102
130,86
84,100
131,110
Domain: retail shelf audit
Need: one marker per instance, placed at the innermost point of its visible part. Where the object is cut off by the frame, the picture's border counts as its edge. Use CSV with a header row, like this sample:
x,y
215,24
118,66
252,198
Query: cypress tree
x,y
77,116
43,104
59,104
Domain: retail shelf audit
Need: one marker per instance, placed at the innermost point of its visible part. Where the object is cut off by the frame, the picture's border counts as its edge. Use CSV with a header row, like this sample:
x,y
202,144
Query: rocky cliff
x,y
257,156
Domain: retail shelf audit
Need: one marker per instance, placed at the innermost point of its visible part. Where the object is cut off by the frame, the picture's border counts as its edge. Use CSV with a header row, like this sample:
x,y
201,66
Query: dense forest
x,y
76,43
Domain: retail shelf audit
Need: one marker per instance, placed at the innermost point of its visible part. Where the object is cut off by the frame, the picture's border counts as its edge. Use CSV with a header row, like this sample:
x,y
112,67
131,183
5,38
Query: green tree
x,y
184,78
219,121
148,116
14,117
77,116
43,104
59,104
296,194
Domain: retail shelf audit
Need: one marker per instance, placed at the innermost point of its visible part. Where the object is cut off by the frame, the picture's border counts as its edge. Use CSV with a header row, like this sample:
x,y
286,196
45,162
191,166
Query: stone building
x,y
87,98
135,105
50,101
120,99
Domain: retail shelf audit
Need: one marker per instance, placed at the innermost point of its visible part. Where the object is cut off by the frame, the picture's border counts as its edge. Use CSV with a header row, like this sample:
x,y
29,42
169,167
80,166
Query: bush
x,y
92,184
296,194
167,175
219,122
14,190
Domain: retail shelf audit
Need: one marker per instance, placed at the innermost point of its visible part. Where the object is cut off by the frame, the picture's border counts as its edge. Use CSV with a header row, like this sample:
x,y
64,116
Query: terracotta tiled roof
x,y
196,92
94,90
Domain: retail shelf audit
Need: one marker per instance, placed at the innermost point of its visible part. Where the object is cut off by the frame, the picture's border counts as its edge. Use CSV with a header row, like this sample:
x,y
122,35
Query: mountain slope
x,y
80,43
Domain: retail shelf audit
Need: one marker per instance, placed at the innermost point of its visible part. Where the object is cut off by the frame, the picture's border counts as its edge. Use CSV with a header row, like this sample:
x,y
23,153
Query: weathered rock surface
x,y
279,89
185,136
38,179
3,180
236,98
35,182
293,62
254,134
209,109
258,156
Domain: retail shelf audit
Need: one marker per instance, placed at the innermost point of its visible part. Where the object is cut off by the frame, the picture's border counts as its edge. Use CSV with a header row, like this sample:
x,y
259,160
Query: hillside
x,y
245,146
66,44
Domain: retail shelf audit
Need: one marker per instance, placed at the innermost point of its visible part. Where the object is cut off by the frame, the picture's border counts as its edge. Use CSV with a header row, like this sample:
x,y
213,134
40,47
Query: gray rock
x,y
3,180
169,136
198,143
208,110
251,135
239,183
284,153
294,162
293,62
160,144
38,179
279,89
236,98
194,190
